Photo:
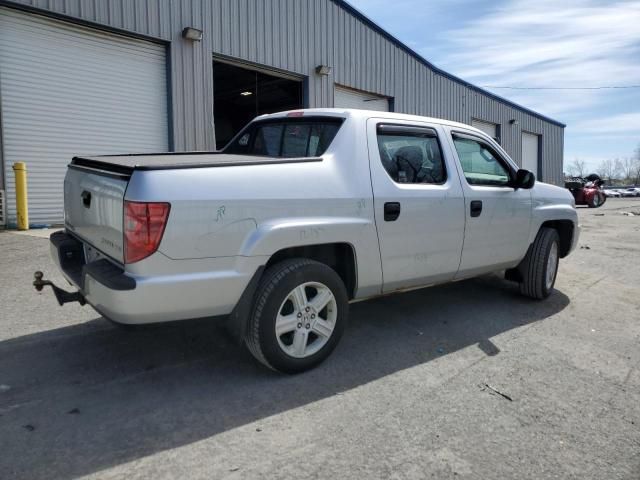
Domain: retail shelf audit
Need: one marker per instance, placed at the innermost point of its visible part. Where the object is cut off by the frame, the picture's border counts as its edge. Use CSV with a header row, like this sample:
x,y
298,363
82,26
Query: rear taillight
x,y
144,225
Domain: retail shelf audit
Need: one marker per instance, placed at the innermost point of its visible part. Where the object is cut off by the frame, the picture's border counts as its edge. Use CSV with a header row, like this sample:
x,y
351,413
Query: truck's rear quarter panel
x,y
255,211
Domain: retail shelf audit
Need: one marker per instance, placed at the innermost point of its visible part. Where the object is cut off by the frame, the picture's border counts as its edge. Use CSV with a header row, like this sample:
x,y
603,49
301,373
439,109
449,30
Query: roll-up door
x,y
348,98
68,90
490,129
530,152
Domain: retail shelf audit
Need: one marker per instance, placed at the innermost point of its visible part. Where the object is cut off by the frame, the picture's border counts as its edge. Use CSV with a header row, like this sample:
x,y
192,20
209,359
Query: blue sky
x,y
546,43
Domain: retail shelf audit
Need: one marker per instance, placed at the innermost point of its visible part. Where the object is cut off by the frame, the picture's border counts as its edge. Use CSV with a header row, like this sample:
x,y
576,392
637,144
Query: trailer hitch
x,y
61,295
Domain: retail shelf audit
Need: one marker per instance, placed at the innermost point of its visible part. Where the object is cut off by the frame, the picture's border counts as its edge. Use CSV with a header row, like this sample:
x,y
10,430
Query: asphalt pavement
x,y
466,380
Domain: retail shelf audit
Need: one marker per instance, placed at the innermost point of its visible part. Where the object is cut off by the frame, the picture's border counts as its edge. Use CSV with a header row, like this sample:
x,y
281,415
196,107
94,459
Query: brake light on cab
x,y
144,225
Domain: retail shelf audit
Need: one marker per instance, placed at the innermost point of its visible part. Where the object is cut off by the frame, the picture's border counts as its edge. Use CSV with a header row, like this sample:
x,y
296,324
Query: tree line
x,y
618,171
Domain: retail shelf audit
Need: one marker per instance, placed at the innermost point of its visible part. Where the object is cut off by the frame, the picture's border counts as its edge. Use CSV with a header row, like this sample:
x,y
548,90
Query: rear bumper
x,y
140,299
68,253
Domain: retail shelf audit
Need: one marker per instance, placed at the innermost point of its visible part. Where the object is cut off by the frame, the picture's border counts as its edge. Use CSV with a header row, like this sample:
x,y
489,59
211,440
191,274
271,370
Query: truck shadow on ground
x,y
90,396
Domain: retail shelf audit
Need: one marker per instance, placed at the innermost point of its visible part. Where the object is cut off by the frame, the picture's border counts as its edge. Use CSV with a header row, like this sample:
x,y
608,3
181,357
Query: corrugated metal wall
x,y
298,35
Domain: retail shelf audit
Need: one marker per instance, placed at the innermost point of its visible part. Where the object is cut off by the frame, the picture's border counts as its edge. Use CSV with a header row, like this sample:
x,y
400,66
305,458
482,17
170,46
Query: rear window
x,y
286,138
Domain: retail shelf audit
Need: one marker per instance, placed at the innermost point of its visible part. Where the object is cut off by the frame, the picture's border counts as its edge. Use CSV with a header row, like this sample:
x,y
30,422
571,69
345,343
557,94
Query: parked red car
x,y
587,191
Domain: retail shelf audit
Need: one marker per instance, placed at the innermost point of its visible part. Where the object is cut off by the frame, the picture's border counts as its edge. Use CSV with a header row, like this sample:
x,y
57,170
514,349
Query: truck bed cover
x,y
169,161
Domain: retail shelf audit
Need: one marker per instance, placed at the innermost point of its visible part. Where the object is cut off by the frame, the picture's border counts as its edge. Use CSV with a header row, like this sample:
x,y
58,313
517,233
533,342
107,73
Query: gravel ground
x,y
466,380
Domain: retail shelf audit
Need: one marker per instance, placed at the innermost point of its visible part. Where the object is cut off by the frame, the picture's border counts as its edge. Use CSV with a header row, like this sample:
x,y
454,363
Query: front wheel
x,y
299,315
597,200
540,267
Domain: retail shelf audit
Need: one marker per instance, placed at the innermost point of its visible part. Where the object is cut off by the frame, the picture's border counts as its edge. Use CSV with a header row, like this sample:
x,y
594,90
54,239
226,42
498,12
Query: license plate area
x,y
91,254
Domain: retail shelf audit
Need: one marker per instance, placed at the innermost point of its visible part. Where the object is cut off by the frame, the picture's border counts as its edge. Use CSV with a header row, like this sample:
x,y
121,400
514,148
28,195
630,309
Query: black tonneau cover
x,y
126,164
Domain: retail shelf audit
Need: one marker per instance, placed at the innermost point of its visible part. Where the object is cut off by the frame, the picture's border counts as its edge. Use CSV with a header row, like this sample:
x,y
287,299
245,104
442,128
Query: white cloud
x,y
624,124
550,44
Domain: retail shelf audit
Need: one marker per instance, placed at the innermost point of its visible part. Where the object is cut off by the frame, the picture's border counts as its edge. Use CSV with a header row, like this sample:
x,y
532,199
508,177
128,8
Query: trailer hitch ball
x,y
62,296
37,282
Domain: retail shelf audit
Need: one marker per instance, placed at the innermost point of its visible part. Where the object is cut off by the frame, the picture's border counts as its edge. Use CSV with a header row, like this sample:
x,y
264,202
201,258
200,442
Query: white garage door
x,y
490,129
348,98
530,152
67,90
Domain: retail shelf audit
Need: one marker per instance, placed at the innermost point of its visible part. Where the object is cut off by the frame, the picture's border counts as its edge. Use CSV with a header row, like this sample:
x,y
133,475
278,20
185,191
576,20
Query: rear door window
x,y
286,138
411,154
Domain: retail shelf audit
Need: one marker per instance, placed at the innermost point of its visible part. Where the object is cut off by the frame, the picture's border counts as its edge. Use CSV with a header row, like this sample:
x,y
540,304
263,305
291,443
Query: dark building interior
x,y
241,94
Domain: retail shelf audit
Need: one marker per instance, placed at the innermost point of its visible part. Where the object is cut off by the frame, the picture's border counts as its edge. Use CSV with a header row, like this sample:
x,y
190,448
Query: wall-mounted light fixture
x,y
190,33
323,70
513,121
246,94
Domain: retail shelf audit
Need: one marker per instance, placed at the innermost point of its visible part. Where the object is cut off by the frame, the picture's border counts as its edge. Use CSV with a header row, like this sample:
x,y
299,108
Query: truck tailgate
x,y
93,207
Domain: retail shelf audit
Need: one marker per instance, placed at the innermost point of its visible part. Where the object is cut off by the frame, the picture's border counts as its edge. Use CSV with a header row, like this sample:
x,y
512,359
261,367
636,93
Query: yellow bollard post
x,y
22,207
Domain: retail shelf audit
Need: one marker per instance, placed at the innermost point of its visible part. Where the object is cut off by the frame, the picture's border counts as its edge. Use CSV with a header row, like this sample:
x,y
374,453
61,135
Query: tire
x,y
596,201
285,299
537,278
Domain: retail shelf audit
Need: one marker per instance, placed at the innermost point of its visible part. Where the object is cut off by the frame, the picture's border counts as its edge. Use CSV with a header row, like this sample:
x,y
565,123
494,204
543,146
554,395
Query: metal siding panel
x,y
127,20
307,19
310,53
327,53
87,10
227,20
197,67
271,26
68,91
340,76
207,82
283,38
176,73
115,14
296,45
241,33
101,13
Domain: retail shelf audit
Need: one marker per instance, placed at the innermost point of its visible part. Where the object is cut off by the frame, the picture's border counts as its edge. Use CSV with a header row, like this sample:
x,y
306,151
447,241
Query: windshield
x,y
286,137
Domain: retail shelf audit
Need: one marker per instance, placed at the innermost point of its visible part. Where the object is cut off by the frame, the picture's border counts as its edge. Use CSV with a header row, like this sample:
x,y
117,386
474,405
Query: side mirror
x,y
524,179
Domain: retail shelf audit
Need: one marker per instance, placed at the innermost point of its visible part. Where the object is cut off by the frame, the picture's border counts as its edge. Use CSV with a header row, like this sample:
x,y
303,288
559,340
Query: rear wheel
x,y
299,315
540,267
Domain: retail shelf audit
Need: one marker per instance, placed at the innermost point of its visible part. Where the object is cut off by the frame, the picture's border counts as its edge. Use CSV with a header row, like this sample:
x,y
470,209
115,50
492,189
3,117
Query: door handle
x,y
86,198
391,211
476,208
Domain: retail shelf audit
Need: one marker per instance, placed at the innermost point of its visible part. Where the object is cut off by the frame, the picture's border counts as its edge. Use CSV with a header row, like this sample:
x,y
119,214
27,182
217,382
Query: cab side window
x,y
411,154
480,164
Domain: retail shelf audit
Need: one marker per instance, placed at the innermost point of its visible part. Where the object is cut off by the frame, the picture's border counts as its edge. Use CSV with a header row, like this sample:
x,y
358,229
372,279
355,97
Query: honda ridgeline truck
x,y
302,213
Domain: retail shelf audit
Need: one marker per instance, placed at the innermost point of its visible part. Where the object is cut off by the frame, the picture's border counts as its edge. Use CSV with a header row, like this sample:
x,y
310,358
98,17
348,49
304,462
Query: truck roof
x,y
360,114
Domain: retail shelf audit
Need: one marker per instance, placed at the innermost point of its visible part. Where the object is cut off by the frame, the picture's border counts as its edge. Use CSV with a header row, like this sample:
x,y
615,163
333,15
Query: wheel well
x,y
339,256
565,232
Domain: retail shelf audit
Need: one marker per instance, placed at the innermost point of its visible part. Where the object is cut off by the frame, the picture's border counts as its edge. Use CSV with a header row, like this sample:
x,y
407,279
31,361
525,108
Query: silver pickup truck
x,y
302,213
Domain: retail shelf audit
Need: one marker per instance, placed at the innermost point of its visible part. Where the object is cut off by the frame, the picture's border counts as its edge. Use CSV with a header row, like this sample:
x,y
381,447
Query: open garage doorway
x,y
241,93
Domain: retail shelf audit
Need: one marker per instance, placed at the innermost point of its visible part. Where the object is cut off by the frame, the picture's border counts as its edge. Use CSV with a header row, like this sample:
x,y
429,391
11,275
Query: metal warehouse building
x,y
114,76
